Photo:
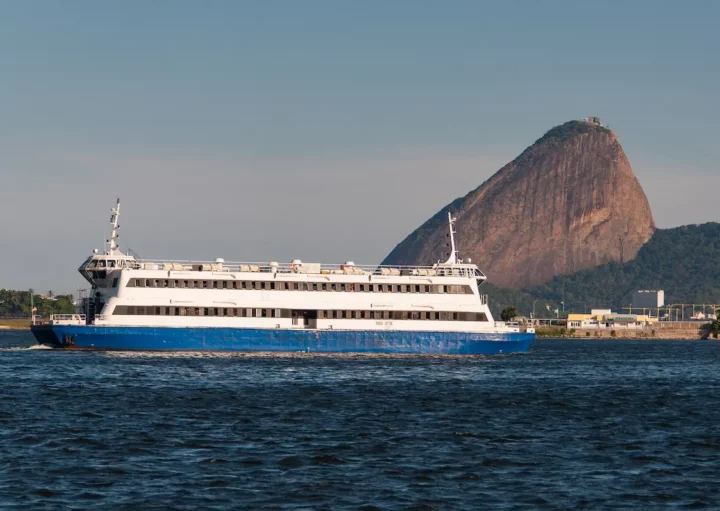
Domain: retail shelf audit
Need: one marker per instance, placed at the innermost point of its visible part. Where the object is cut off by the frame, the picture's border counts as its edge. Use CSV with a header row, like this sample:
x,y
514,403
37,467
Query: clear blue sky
x,y
324,130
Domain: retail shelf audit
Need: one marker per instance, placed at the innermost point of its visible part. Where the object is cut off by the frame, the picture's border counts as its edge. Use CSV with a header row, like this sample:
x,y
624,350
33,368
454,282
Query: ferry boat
x,y
138,304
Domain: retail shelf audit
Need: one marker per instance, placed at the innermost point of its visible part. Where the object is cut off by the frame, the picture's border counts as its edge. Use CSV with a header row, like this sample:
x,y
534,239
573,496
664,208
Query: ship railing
x,y
457,270
507,324
66,317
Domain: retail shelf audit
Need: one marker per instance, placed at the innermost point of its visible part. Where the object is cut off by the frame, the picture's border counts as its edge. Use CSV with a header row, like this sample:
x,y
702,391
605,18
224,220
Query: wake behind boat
x,y
184,305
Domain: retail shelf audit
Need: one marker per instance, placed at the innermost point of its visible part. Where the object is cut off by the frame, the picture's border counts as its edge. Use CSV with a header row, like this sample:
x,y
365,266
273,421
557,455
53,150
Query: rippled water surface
x,y
570,425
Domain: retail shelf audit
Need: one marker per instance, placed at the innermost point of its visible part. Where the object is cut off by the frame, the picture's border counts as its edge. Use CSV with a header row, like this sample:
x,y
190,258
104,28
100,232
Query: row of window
x,y
242,312
271,285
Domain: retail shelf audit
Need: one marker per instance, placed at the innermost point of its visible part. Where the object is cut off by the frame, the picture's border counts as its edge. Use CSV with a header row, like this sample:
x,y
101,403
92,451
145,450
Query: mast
x,y
114,226
454,255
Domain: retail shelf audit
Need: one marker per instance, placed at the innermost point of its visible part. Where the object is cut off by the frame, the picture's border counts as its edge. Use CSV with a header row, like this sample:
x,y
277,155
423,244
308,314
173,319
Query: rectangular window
x,y
417,288
324,287
115,283
344,314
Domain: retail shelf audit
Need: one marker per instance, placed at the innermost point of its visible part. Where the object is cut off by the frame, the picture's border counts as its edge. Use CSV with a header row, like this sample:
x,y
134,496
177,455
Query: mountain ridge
x,y
566,203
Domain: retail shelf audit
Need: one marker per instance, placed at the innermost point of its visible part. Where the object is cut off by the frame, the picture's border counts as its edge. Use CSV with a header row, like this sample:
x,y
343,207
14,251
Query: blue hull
x,y
237,339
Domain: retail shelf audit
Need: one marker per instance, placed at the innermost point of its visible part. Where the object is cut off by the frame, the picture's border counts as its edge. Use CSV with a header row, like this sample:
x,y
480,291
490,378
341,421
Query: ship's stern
x,y
47,333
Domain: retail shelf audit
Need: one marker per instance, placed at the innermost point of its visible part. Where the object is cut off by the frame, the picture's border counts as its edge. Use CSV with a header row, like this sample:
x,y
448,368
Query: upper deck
x,y
109,262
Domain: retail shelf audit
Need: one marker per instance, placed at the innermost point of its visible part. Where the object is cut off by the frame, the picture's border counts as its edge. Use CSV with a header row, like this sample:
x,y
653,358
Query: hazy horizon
x,y
324,131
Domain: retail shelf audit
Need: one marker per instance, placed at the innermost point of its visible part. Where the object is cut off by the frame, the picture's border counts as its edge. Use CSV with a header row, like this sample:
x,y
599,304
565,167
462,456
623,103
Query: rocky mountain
x,y
569,202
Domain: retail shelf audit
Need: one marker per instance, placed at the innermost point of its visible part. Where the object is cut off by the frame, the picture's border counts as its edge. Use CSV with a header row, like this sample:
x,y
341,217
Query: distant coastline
x,y
14,324
684,334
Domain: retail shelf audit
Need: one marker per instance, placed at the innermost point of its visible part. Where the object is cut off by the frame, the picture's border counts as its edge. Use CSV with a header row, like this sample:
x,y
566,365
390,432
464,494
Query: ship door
x,y
298,320
304,318
311,319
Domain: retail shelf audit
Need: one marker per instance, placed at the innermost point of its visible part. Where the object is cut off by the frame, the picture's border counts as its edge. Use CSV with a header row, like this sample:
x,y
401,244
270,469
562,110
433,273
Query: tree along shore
x,y
16,305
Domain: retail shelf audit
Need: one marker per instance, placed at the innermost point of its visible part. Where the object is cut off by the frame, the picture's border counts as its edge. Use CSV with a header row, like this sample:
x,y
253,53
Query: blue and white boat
x,y
140,304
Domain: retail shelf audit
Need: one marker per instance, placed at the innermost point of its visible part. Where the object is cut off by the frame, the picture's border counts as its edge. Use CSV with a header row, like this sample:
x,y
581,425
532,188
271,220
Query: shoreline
x,y
677,334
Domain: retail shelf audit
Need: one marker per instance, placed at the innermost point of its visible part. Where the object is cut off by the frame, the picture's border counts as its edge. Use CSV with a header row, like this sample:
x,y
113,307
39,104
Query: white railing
x,y
67,317
459,270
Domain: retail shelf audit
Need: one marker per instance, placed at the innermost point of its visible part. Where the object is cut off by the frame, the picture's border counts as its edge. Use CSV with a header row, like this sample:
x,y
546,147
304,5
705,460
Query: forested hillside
x,y
684,261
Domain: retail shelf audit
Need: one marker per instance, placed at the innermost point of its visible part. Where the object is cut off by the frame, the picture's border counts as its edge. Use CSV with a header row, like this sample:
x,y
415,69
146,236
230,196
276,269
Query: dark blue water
x,y
570,425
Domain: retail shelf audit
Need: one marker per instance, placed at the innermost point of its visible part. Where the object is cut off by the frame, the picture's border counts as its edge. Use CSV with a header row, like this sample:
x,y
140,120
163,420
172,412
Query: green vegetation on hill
x,y
17,303
684,261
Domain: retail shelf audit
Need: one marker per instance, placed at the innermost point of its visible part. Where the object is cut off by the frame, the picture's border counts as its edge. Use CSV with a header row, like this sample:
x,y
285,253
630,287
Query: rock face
x,y
569,202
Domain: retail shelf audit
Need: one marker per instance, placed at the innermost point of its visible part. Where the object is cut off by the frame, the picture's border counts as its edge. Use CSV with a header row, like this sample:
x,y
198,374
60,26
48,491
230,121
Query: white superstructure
x,y
132,292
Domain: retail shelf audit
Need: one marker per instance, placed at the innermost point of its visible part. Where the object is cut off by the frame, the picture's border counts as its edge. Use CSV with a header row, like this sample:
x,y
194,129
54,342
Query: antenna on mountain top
x,y
454,256
112,242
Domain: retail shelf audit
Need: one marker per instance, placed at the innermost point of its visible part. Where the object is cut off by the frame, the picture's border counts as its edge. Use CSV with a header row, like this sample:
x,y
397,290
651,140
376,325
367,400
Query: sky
x,y
324,130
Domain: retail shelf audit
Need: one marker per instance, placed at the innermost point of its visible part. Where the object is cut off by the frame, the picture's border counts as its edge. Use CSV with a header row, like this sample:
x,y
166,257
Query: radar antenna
x,y
112,242
454,254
